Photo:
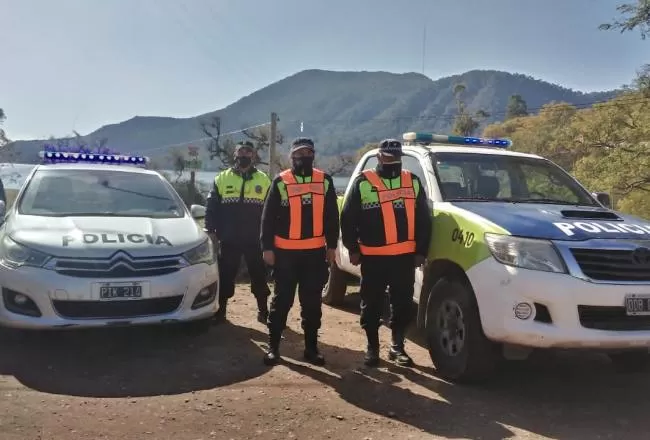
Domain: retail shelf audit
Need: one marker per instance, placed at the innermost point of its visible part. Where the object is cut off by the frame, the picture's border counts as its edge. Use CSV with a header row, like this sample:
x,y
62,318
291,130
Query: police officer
x,y
234,211
300,230
386,227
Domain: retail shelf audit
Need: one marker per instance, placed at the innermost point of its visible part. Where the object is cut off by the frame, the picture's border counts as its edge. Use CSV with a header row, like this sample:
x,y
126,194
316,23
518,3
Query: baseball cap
x,y
390,147
300,143
245,144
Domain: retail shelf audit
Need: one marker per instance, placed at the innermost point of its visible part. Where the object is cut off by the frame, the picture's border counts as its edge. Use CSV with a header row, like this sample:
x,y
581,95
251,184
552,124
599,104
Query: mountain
x,y
340,110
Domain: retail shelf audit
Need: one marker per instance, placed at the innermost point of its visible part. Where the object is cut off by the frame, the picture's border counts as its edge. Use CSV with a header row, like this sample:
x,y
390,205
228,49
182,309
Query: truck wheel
x,y
457,345
633,361
336,287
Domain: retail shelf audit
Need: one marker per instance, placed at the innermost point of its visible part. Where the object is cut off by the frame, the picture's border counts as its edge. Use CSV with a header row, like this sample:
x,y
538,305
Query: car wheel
x,y
633,361
336,287
457,345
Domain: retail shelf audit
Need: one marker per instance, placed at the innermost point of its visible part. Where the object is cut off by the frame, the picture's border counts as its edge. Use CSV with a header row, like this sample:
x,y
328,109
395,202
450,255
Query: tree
x,y
337,165
224,148
517,107
633,16
3,138
466,124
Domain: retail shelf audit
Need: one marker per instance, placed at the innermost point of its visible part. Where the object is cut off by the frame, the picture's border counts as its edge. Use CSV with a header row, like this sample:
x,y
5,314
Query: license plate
x,y
637,305
120,290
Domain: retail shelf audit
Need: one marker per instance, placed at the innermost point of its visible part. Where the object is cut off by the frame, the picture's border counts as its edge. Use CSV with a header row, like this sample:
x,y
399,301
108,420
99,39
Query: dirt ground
x,y
160,383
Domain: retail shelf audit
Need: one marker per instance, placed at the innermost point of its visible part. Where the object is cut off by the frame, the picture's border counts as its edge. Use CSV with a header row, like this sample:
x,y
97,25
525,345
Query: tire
x,y
632,361
471,358
336,287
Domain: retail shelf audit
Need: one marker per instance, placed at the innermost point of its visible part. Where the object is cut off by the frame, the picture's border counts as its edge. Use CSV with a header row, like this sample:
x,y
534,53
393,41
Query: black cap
x,y
392,147
302,142
245,144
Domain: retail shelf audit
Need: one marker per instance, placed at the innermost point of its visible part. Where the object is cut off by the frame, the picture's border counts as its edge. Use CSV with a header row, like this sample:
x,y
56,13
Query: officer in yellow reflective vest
x,y
233,217
386,227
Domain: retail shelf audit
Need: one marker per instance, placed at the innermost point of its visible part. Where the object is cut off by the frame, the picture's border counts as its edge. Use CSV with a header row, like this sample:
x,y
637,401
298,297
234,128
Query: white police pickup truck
x,y
522,256
92,240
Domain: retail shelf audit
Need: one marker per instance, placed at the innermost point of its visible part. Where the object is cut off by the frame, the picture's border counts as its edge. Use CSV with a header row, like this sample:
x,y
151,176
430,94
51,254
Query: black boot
x,y
397,353
272,355
220,316
262,310
371,358
311,354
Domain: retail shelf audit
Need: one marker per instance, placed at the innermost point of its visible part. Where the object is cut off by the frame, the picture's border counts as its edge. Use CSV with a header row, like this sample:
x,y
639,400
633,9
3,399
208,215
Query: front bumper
x,y
567,312
66,301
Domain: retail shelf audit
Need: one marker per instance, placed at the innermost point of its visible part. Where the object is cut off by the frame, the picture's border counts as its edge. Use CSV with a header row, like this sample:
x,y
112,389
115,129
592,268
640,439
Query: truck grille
x,y
120,265
612,264
117,309
611,318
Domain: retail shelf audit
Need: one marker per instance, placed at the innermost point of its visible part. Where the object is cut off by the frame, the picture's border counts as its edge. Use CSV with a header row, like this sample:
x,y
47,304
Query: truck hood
x,y
99,237
559,222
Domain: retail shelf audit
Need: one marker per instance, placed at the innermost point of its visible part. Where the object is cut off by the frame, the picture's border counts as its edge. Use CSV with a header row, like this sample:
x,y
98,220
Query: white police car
x,y
93,241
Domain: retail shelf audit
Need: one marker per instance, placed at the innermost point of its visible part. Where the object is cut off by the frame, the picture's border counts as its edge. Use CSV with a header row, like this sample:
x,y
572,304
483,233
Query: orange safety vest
x,y
386,197
295,191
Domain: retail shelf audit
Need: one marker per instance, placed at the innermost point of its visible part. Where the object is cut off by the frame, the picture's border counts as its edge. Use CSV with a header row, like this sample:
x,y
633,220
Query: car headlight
x,y
526,253
15,255
203,253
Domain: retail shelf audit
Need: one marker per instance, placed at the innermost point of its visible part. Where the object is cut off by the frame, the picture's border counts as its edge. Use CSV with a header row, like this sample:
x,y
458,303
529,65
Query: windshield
x,y
59,193
489,177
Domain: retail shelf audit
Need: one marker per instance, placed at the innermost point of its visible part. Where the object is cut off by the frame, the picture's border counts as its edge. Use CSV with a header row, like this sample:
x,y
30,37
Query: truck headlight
x,y
203,253
15,255
526,253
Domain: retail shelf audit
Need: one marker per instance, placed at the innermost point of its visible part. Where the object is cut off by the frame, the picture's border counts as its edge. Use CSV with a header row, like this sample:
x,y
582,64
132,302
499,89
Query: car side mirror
x,y
603,198
197,211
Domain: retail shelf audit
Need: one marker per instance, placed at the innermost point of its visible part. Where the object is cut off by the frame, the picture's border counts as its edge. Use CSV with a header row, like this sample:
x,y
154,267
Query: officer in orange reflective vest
x,y
386,227
300,230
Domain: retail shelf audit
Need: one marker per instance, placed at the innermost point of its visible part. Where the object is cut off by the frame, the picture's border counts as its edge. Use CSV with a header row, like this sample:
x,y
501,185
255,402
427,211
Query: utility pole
x,y
273,135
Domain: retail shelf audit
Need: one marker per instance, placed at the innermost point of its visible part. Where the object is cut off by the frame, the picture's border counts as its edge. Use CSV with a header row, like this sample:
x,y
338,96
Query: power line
x,y
208,138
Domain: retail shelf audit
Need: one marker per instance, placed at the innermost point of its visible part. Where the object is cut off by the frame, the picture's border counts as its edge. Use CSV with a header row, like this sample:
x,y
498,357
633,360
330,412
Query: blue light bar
x,y
420,137
107,159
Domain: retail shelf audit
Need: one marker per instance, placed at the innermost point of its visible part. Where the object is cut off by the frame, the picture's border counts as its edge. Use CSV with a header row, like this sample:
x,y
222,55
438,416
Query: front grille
x,y
118,267
117,309
611,265
611,318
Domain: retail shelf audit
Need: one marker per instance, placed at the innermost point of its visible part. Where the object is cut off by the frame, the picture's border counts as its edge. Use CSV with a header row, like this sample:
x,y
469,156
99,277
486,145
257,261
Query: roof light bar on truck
x,y
431,138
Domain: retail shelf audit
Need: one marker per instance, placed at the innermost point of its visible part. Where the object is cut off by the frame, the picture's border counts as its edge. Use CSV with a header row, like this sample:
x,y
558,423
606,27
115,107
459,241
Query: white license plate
x,y
637,305
115,291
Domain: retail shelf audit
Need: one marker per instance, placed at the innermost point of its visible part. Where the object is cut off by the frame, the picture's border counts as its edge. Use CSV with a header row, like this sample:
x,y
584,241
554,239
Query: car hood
x,y
559,222
97,237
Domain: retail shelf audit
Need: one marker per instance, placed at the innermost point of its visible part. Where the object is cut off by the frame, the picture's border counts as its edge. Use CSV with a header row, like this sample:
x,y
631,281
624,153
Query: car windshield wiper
x,y
478,199
549,201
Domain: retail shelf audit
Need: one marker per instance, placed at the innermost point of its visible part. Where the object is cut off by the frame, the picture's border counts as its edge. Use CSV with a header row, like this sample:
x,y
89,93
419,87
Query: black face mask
x,y
303,165
389,170
243,161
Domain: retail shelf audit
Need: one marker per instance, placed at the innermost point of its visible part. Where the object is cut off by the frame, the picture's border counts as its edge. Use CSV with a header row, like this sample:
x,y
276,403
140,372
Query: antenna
x,y
424,46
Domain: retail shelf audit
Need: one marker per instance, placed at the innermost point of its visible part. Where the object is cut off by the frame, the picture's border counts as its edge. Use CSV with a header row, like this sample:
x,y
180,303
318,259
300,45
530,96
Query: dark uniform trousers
x,y
397,272
307,270
229,263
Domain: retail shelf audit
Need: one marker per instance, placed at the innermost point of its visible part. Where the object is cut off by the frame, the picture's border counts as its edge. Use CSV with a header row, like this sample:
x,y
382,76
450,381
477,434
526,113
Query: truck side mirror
x,y
603,198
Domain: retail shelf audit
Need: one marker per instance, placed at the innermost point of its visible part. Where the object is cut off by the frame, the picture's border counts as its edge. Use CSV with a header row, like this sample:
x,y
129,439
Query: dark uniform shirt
x,y
367,225
275,218
238,221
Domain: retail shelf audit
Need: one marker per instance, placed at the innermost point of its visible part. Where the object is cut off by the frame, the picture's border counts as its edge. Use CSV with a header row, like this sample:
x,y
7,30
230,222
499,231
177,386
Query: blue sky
x,y
81,64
